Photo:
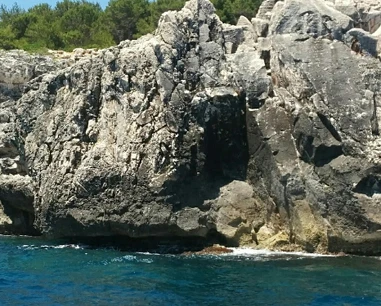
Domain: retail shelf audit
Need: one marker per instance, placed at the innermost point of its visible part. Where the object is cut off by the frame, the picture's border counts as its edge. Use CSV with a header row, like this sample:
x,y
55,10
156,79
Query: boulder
x,y
362,42
313,18
261,26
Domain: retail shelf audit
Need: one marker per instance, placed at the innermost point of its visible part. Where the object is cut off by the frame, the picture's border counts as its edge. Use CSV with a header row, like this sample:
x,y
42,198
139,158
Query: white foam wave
x,y
135,258
267,253
149,254
45,247
127,258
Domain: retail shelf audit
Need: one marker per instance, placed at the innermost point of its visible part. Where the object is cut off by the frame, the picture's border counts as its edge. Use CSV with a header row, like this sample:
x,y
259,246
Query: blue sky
x,y
29,3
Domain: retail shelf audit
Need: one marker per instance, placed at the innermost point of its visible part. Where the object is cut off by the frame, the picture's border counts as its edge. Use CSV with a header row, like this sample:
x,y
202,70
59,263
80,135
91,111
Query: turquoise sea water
x,y
36,272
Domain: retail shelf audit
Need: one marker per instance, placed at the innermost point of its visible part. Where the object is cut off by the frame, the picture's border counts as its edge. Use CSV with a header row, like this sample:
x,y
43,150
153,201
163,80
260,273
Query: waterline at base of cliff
x,y
38,272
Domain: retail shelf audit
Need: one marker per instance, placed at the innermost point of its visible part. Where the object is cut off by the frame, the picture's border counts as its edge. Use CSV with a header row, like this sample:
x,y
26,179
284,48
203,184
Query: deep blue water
x,y
35,272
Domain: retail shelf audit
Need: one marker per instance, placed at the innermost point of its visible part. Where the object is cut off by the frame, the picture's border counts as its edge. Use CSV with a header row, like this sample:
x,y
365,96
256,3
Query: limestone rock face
x,y
139,140
325,136
17,68
365,13
265,133
310,17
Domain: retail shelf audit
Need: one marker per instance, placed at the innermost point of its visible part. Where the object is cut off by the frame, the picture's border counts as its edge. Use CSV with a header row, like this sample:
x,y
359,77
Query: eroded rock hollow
x,y
263,134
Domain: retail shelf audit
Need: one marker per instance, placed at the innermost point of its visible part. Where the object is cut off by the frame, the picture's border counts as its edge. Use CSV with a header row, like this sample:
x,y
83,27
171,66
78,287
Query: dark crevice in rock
x,y
9,150
369,186
161,245
305,147
302,38
225,141
234,48
307,13
325,154
266,56
320,155
21,224
194,192
56,84
50,157
193,161
219,156
374,119
192,80
113,66
356,46
329,126
213,162
22,220
286,200
256,103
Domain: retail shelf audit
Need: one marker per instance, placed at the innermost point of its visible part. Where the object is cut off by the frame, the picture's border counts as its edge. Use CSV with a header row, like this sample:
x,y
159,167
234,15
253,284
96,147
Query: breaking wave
x,y
47,247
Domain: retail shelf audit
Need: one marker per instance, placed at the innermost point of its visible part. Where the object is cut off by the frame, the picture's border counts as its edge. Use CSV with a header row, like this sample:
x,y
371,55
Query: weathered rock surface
x,y
265,134
365,13
17,68
324,117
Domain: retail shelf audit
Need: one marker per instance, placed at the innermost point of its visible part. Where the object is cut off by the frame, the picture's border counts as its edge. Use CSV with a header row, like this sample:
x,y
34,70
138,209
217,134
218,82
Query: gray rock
x,y
17,211
263,134
265,9
347,7
238,213
366,14
313,18
17,68
139,139
261,26
233,37
362,42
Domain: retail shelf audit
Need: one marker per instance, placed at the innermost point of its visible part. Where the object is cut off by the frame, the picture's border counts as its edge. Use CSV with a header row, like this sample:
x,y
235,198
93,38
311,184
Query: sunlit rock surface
x,y
264,133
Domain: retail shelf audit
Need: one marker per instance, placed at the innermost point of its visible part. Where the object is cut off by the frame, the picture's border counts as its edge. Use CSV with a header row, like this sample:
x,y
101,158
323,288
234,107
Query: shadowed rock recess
x,y
264,134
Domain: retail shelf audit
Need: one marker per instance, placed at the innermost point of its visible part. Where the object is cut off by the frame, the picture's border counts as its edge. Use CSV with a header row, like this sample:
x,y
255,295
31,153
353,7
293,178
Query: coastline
x,y
201,133
216,249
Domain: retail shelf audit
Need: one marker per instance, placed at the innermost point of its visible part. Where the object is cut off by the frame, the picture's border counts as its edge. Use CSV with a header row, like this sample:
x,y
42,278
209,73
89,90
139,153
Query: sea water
x,y
36,272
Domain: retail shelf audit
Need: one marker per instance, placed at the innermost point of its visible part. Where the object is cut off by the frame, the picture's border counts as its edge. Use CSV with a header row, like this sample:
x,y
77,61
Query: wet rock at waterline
x,y
264,133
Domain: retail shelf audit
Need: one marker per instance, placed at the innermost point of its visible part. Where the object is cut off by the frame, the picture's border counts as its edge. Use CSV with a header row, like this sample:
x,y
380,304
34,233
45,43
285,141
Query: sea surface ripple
x,y
36,272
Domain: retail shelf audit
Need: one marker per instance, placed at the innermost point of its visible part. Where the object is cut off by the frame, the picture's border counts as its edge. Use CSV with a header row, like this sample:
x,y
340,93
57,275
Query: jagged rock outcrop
x,y
17,68
326,132
265,133
365,13
140,140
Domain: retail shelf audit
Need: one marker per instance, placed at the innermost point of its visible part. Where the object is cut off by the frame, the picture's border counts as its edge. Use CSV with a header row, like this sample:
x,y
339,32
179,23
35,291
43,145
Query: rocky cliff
x,y
17,68
263,134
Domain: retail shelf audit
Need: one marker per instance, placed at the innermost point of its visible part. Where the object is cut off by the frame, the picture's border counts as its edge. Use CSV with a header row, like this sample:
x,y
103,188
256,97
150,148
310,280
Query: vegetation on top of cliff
x,y
79,23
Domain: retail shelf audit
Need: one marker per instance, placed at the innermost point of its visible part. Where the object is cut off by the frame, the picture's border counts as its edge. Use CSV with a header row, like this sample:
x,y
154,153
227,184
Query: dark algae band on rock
x,y
264,134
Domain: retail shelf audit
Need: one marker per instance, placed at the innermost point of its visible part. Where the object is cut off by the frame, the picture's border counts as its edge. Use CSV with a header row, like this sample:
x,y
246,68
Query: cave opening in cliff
x,y
225,140
217,157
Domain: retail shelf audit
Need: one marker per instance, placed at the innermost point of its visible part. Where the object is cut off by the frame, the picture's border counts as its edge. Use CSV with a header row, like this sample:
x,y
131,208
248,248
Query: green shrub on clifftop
x,y
80,23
